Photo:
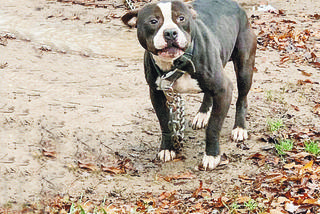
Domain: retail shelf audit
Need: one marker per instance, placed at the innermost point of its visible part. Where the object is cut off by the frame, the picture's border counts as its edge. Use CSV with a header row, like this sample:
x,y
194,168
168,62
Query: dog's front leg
x,y
159,100
220,107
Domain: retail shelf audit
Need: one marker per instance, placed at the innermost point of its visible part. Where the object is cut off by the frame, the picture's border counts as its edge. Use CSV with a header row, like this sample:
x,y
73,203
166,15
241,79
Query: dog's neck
x,y
164,64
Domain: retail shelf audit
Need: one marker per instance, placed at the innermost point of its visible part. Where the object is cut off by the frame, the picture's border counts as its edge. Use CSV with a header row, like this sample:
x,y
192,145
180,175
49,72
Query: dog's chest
x,y
185,84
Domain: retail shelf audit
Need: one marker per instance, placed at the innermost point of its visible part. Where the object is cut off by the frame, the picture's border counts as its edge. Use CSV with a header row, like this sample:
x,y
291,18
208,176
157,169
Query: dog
x,y
202,36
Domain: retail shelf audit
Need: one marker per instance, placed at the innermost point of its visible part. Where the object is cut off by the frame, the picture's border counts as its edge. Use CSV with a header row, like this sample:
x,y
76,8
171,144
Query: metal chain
x,y
176,123
130,4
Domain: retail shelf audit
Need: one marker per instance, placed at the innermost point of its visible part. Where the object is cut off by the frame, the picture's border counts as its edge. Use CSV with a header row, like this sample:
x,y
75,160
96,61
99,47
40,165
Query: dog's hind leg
x,y
243,58
202,118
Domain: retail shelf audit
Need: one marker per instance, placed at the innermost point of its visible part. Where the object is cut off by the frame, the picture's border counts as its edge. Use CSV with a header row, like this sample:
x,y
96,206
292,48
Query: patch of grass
x,y
283,146
269,95
234,206
312,147
275,125
251,205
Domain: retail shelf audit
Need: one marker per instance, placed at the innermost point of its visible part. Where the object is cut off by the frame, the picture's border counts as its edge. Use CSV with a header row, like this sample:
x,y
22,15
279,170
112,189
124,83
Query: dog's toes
x,y
201,120
166,155
239,134
210,162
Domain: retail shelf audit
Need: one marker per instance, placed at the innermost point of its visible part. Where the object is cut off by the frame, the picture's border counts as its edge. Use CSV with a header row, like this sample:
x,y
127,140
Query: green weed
x,y
312,147
275,125
234,207
283,146
251,205
269,95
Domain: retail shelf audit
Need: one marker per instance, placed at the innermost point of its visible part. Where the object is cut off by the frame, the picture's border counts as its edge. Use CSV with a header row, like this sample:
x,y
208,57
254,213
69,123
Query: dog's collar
x,y
181,66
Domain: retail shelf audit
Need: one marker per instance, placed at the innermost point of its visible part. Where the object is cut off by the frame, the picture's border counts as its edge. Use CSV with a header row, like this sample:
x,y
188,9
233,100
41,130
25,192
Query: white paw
x,y
166,155
201,120
239,134
210,162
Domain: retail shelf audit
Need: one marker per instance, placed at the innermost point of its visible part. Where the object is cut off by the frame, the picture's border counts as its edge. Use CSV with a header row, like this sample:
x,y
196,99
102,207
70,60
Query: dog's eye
x,y
154,21
181,18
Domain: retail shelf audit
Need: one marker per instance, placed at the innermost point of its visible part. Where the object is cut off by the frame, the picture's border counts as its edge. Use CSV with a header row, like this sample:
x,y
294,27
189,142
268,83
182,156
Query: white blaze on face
x,y
159,41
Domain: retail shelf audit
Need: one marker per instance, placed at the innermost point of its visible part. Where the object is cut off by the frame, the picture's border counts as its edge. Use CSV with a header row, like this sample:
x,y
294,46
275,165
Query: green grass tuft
x,y
275,125
251,205
312,147
283,146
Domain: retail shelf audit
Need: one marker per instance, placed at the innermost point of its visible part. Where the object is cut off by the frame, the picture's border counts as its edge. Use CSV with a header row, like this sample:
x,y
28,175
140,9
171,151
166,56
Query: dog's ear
x,y
193,12
130,18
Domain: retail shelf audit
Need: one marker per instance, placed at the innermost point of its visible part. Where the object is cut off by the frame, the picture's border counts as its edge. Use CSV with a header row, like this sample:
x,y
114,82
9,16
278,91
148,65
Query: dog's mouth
x,y
170,52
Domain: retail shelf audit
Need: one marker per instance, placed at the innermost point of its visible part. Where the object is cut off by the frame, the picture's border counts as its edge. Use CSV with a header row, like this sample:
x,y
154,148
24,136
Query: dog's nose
x,y
170,34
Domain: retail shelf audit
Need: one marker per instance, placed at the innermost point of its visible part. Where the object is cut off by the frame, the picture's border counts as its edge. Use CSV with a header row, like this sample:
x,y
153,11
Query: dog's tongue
x,y
171,52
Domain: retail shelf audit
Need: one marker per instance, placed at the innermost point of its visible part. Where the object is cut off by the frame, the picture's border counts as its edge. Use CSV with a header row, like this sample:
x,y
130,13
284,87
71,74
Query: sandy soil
x,y
73,96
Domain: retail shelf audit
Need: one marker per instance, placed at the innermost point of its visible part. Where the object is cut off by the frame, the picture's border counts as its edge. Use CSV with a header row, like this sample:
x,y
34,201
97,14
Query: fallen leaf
x,y
257,156
303,82
307,167
289,165
306,73
87,166
113,169
168,195
316,109
295,107
312,201
50,154
197,191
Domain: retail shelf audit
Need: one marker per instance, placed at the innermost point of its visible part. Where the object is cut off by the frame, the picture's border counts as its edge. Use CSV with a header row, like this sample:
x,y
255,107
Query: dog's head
x,y
163,28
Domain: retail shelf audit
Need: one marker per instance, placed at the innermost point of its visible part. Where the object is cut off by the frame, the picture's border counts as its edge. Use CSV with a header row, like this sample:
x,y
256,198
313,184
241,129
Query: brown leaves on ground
x,y
284,35
122,165
291,187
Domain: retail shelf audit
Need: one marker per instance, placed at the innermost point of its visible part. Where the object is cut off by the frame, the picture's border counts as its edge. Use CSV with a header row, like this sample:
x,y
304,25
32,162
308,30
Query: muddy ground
x,y
74,102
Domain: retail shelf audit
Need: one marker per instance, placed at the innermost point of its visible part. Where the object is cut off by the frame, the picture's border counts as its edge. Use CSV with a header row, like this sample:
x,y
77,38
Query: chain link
x,y
130,4
176,123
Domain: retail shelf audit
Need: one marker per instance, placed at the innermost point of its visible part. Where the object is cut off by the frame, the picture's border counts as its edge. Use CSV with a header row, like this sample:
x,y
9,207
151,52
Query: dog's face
x,y
163,28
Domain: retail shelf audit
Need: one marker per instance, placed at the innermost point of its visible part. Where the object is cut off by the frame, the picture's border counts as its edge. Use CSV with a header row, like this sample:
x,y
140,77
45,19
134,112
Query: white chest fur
x,y
186,84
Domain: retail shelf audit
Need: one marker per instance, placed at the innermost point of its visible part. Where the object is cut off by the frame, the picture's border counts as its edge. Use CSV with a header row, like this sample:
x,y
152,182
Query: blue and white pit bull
x,y
208,33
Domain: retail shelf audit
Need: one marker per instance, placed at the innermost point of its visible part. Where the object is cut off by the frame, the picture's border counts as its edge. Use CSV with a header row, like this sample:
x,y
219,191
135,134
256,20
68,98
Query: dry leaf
x,y
50,154
303,82
167,195
306,73
307,167
295,107
113,169
312,201
316,109
289,165
197,191
87,166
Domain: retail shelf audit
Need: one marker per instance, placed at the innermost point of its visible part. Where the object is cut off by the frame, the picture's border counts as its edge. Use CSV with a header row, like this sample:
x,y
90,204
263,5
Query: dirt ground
x,y
74,102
